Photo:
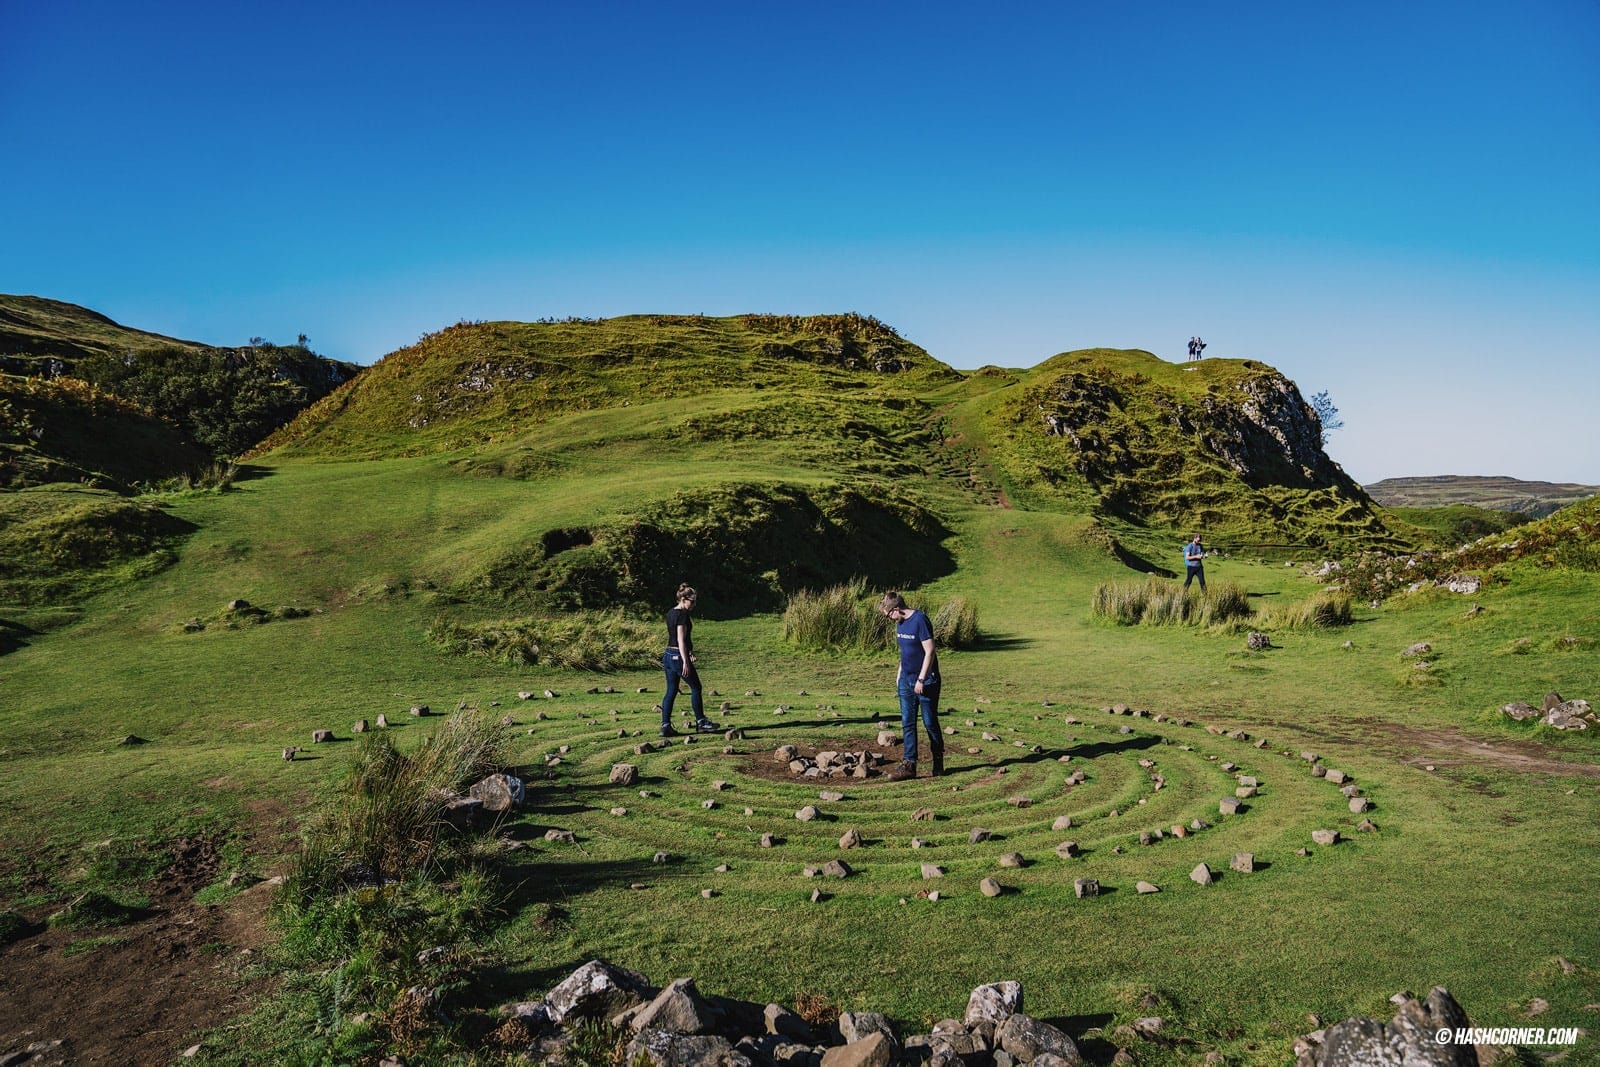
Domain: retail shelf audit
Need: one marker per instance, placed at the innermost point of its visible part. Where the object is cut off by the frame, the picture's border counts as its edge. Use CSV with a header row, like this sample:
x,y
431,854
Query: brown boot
x,y
903,770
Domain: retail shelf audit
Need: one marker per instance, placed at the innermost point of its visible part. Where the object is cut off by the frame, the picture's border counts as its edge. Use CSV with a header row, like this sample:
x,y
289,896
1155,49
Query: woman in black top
x,y
678,662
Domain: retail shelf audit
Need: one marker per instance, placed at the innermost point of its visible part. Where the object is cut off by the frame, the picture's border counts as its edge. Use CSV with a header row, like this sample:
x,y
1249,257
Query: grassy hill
x,y
34,329
1227,448
553,482
1533,499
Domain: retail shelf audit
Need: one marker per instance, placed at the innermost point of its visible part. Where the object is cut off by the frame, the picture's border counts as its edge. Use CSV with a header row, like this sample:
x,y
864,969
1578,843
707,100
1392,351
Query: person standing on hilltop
x,y
1199,348
917,683
1194,564
679,664
1192,342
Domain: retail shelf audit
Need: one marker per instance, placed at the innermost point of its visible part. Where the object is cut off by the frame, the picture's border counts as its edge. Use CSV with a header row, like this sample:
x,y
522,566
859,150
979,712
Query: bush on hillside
x,y
224,399
582,642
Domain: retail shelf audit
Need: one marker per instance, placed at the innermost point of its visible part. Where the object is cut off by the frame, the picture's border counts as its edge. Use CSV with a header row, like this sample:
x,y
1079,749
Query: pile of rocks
x,y
1556,713
679,1026
828,763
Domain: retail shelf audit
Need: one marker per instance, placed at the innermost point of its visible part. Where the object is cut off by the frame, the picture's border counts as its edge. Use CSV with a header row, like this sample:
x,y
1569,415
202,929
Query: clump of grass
x,y
1158,602
594,641
1319,611
845,618
839,618
387,822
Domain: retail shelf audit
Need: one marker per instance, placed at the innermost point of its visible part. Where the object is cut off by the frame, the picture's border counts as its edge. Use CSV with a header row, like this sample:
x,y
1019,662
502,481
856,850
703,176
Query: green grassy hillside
x,y
34,329
1227,448
552,475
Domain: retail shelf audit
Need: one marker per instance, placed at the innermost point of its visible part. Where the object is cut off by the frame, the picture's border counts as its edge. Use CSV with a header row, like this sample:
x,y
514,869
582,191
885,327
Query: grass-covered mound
x,y
65,430
1530,499
746,545
61,543
1228,447
475,382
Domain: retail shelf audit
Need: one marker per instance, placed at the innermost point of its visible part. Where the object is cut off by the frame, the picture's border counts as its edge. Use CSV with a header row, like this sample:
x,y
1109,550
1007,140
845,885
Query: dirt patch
x,y
762,765
136,993
1449,748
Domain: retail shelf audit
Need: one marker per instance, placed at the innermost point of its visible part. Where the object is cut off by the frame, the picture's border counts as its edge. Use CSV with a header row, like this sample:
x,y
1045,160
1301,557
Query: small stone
x,y
816,896
1359,805
1243,862
1337,777
661,857
1011,859
850,839
1086,887
419,710
1146,887
359,726
1367,826
807,813
1325,837
1063,822
932,870
1067,849
977,835
768,840
708,804
1229,806
383,722
837,869
829,796
319,736
989,887
619,812
1201,875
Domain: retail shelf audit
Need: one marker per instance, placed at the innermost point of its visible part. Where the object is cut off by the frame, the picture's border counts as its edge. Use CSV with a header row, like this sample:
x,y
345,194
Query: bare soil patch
x,y
1449,748
760,764
144,991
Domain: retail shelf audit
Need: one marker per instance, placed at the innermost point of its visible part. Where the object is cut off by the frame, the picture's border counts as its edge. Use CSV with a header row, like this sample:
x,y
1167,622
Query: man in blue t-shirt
x,y
1194,563
917,683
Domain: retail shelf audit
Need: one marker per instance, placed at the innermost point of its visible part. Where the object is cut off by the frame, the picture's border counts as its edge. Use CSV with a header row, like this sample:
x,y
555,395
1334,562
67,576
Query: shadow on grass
x,y
249,472
998,643
1096,749
13,635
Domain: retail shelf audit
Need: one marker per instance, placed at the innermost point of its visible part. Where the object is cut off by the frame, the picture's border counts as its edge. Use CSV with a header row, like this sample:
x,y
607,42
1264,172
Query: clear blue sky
x,y
1393,202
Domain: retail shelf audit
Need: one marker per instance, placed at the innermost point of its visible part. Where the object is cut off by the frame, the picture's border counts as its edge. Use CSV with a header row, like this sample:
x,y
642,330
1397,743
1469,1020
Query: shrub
x,y
583,642
1158,602
1320,611
845,618
387,822
839,618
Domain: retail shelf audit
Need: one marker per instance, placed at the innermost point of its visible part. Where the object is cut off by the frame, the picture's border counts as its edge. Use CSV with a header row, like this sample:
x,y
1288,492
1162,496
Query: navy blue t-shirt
x,y
911,632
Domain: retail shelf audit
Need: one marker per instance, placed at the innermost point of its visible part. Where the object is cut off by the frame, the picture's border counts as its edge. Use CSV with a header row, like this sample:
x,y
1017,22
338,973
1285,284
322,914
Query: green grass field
x,y
1480,876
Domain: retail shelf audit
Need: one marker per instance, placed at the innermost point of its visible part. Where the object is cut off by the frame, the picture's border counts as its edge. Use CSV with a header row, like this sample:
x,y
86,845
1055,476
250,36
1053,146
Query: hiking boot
x,y
706,726
667,730
904,770
938,764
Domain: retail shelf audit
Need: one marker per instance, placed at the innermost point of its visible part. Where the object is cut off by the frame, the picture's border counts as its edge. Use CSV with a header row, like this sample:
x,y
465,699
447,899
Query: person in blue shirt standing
x,y
918,684
1194,557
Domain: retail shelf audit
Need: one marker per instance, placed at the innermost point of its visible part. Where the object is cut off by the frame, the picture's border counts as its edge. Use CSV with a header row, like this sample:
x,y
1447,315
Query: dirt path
x,y
1450,748
140,998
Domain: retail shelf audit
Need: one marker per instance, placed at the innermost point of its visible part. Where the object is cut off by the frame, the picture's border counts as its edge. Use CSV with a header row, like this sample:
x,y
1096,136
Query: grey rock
x,y
625,773
837,869
1520,711
785,1023
1243,862
662,1048
1201,875
319,736
1229,806
993,1004
597,990
855,1025
499,792
851,838
1325,837
1408,1040
874,1050
990,888
1086,887
1026,1038
680,1009
807,813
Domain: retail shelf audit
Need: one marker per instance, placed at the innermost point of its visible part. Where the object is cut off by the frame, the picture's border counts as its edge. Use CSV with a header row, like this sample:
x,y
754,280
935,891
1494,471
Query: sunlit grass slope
x,y
515,502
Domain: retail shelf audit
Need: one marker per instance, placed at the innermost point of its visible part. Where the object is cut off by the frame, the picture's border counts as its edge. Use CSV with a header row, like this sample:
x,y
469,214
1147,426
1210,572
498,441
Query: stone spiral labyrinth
x,y
1035,799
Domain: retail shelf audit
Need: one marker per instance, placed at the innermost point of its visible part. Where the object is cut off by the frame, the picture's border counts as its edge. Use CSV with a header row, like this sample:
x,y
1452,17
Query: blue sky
x,y
1392,202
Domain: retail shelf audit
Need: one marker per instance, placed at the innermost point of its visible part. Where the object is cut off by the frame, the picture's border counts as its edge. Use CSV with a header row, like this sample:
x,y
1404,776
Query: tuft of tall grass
x,y
1157,602
386,823
1317,612
845,618
584,641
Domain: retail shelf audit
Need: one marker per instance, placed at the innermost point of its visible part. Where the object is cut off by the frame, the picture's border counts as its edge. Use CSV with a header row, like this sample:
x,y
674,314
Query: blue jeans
x,y
929,703
673,664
